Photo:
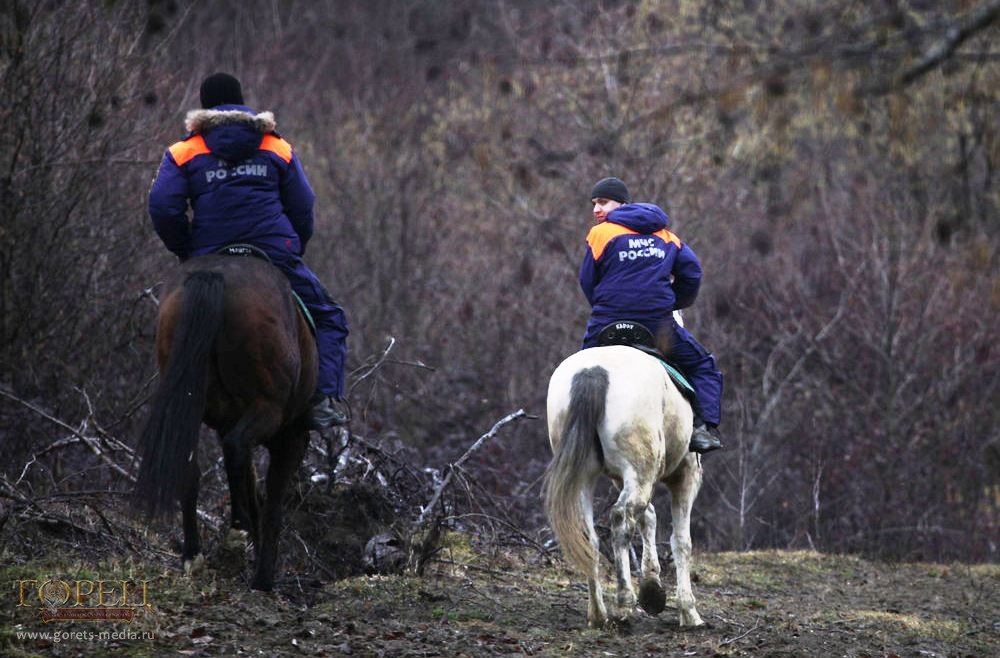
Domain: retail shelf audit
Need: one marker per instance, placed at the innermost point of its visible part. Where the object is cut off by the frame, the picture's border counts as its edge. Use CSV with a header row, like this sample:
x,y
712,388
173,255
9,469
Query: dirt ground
x,y
755,604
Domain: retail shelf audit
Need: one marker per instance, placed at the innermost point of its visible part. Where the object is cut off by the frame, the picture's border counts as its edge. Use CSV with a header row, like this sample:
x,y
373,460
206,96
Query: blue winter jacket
x,y
242,180
635,269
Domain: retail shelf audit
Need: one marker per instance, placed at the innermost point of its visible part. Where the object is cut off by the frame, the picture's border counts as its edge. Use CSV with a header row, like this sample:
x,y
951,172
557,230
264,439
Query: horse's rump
x,y
639,391
264,351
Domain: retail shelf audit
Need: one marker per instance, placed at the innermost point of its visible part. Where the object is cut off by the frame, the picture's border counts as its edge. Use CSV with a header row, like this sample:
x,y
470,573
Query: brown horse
x,y
235,353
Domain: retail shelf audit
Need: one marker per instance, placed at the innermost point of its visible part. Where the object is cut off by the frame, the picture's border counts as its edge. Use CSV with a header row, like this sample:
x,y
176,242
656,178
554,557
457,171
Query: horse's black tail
x,y
171,434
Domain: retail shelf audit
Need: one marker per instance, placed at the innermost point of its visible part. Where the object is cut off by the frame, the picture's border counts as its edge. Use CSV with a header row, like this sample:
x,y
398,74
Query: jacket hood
x,y
199,121
645,218
233,132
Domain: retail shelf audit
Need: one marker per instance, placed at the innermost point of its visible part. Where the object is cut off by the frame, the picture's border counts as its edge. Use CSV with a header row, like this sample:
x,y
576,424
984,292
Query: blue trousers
x,y
694,361
330,319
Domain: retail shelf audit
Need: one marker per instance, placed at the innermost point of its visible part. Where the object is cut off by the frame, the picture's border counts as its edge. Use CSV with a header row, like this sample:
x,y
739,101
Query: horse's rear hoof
x,y
230,557
691,620
619,625
193,565
652,597
262,585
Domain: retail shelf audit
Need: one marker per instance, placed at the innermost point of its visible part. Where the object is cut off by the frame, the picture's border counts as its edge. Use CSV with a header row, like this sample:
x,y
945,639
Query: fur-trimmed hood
x,y
232,132
199,121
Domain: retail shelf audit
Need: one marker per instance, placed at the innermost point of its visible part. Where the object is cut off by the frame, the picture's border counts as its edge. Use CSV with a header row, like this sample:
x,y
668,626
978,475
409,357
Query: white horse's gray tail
x,y
576,456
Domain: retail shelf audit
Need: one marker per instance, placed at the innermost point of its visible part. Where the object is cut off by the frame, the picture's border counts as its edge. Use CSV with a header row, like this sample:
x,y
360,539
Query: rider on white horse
x,y
635,269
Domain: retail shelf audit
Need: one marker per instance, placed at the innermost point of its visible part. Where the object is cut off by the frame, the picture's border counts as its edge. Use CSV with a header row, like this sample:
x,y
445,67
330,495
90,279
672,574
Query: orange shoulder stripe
x,y
667,236
603,233
278,146
183,152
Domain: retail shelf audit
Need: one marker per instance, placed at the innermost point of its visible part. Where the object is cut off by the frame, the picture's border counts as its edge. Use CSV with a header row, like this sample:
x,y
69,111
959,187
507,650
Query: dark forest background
x,y
833,164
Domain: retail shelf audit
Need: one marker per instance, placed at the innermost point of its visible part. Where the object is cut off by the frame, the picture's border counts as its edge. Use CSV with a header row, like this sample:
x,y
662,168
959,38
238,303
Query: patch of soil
x,y
337,523
756,604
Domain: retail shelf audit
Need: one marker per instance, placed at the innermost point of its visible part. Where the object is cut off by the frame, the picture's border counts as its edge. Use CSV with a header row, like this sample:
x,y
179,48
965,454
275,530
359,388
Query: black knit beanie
x,y
610,188
221,89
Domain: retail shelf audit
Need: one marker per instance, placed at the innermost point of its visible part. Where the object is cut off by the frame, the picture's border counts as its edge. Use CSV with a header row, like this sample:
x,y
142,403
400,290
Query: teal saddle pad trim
x,y
305,312
677,377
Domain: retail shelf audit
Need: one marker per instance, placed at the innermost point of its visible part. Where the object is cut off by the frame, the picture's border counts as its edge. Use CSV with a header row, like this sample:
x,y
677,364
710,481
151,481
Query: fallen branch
x,y
461,460
371,369
742,635
93,444
427,527
80,437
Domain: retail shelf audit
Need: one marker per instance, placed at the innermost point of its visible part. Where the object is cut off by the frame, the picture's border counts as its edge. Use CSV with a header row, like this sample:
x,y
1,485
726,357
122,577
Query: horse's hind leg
x,y
237,451
631,503
253,503
652,598
684,484
287,450
248,504
597,613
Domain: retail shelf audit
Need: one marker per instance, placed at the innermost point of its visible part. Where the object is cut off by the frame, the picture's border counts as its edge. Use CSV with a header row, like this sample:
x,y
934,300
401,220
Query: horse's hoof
x,y
236,539
652,597
618,625
230,556
261,585
625,603
194,565
691,620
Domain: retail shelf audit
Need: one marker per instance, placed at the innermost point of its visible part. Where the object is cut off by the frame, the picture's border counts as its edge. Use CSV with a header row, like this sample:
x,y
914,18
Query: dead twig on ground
x,y
741,635
92,443
427,529
100,446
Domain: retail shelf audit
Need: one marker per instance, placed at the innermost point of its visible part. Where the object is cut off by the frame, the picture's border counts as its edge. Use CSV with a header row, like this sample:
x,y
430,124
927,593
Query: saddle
x,y
240,249
634,334
250,251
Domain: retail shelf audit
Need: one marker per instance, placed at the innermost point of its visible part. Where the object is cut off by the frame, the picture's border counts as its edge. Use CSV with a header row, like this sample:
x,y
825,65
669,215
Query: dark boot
x,y
324,414
704,440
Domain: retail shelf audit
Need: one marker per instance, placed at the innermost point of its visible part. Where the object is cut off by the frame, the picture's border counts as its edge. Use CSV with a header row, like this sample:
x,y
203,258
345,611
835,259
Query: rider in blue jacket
x,y
245,184
636,269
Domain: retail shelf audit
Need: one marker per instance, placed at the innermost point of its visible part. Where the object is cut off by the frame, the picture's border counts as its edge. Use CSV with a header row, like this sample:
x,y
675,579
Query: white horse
x,y
614,410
